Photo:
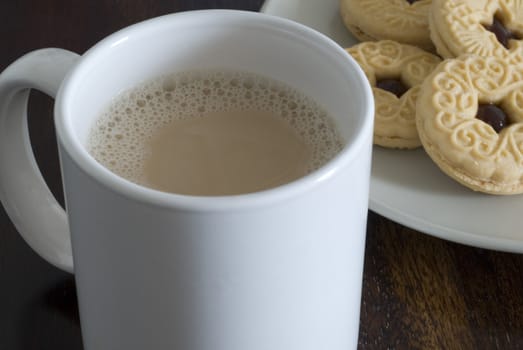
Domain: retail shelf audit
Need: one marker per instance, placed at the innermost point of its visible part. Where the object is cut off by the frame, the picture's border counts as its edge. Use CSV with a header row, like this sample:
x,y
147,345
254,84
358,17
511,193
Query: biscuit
x,y
470,121
404,21
395,72
481,27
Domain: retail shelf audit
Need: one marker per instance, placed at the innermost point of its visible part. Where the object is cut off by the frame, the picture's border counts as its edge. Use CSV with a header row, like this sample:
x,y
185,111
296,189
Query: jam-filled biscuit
x,y
404,21
395,72
470,121
481,27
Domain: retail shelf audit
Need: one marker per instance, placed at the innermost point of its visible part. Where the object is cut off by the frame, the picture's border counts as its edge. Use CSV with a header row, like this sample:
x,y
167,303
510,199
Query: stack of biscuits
x,y
447,75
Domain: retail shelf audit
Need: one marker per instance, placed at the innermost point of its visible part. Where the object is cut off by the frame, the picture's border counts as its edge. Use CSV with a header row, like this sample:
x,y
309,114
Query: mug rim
x,y
83,160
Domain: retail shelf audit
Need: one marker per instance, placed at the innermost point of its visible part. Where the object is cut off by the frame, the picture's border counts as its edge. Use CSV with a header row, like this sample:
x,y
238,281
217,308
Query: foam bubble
x,y
119,138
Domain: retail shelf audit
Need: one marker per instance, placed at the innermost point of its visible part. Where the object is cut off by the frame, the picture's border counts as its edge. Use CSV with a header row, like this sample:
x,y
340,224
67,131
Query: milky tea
x,y
213,133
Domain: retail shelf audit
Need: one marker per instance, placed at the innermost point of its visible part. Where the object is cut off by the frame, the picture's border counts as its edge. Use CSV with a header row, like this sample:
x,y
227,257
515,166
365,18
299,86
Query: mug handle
x,y
31,206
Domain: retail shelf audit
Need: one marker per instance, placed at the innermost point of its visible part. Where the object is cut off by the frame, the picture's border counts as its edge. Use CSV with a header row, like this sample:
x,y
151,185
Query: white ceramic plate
x,y
406,186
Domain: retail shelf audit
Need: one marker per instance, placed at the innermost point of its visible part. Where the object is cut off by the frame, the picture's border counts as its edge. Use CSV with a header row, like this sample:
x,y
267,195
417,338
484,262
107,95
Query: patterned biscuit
x,y
387,62
485,156
481,27
404,21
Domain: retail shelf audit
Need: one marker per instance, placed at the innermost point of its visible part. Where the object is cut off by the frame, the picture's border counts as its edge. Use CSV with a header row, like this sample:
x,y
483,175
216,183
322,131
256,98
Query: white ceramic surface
x,y
405,185
279,269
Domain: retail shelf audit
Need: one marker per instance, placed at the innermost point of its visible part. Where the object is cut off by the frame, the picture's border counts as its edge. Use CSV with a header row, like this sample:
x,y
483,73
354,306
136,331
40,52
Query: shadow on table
x,y
51,321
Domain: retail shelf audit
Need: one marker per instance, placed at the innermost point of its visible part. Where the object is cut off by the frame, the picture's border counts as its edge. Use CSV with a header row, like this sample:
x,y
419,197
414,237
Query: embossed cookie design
x,y
404,21
470,121
481,27
395,72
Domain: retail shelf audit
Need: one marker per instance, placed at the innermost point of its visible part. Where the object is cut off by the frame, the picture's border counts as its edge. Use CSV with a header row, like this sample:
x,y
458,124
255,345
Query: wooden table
x,y
419,292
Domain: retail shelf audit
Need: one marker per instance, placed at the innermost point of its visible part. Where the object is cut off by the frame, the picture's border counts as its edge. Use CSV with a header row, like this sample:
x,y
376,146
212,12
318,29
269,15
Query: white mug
x,y
279,269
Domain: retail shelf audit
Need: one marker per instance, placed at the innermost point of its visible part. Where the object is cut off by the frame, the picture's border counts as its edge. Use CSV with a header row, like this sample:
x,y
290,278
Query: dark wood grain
x,y
422,292
419,292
